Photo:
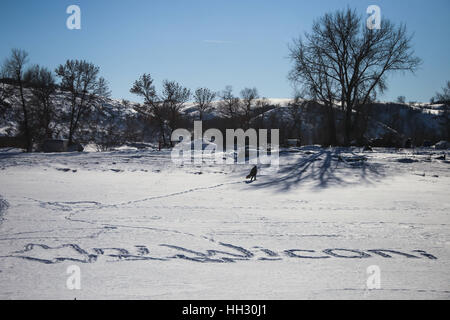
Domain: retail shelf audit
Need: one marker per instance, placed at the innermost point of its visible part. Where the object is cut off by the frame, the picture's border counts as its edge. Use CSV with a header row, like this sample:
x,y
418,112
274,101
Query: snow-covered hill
x,y
113,109
418,121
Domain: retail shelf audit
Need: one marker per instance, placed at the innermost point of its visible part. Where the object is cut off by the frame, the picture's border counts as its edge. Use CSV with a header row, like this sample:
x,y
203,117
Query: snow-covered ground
x,y
139,226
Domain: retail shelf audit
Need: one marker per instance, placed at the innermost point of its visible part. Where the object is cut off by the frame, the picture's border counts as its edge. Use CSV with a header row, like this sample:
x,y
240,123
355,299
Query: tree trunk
x,y
331,127
26,124
348,126
72,111
70,136
162,134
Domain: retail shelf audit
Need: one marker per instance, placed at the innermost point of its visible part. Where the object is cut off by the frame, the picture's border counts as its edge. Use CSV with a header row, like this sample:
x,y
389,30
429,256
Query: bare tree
x,y
109,134
343,61
444,98
229,104
80,79
43,87
152,108
296,108
14,68
174,96
401,99
249,97
164,108
102,95
317,84
126,103
103,90
6,92
203,98
261,107
144,87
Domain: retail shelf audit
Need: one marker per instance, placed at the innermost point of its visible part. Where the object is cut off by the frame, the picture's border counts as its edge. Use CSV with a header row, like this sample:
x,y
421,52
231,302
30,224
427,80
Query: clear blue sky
x,y
209,42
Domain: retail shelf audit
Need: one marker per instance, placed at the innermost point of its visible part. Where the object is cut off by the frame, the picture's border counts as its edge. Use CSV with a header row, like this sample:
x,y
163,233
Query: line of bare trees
x,y
34,88
241,109
164,109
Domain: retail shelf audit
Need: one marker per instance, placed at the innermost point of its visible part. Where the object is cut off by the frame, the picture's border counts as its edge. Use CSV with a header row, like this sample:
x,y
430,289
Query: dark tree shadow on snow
x,y
324,168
